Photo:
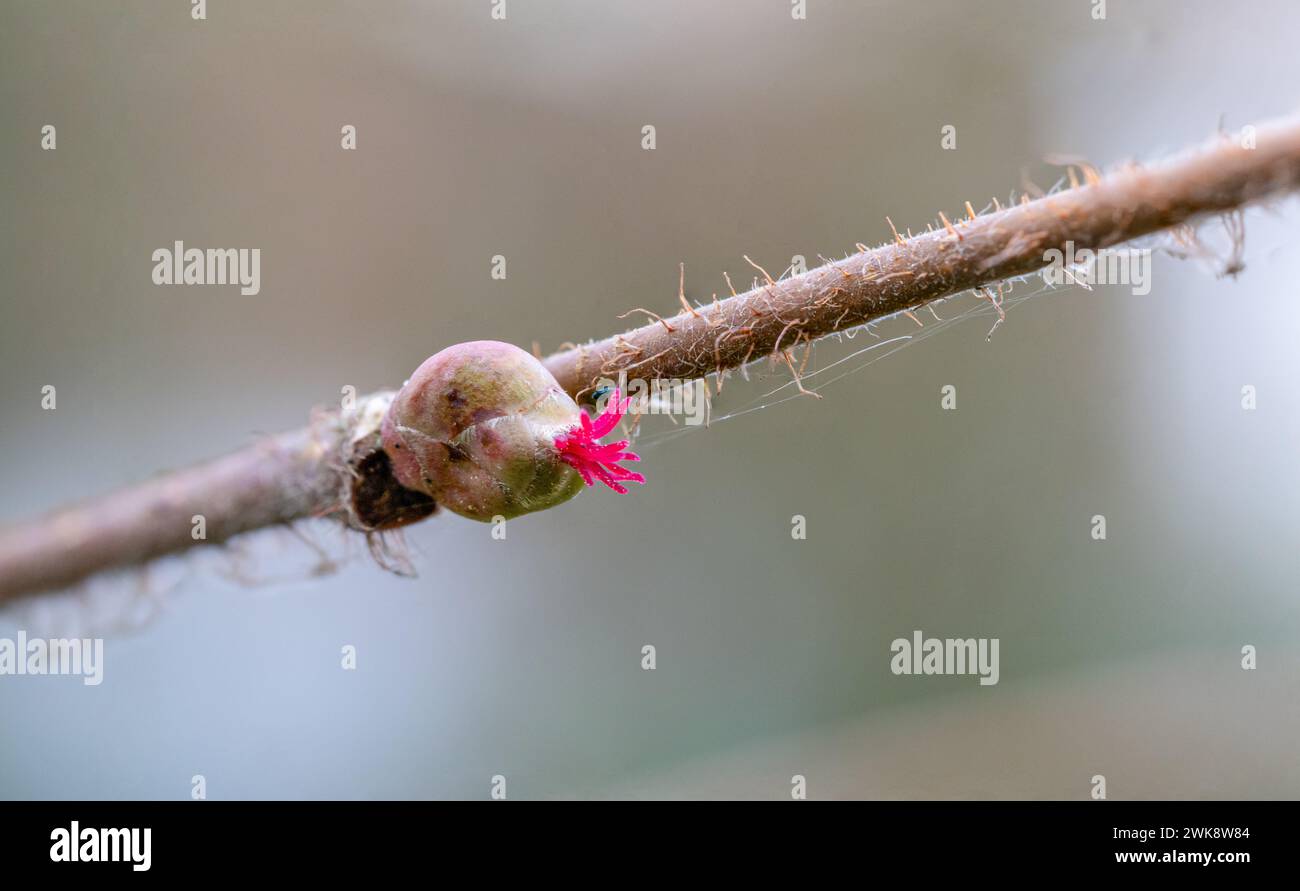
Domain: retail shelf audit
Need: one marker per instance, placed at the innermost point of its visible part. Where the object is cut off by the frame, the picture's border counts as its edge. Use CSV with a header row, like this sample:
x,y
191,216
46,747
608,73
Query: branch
x,y
975,251
276,481
336,468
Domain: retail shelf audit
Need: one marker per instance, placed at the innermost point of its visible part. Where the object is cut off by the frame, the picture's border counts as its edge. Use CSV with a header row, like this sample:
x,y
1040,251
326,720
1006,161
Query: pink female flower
x,y
484,430
581,449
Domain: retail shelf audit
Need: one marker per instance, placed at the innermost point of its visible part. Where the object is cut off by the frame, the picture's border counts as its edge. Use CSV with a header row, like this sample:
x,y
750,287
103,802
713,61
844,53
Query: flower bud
x,y
474,428
484,429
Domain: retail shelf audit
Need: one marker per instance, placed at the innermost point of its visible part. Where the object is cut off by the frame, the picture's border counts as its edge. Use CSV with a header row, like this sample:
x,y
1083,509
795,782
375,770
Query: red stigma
x,y
580,448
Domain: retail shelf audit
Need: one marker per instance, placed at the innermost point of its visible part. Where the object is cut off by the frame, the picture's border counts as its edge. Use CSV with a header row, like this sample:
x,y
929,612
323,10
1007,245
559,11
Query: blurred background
x,y
522,658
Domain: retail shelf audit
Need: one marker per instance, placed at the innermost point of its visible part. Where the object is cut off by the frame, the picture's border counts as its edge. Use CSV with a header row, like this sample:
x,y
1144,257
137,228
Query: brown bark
x,y
323,470
968,253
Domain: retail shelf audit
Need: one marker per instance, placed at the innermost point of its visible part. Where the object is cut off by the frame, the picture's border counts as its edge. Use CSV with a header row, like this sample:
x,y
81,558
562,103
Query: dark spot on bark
x,y
379,501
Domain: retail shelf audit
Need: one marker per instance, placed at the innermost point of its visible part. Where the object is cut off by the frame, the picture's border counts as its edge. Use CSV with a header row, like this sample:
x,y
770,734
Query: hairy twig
x,y
278,480
335,467
907,273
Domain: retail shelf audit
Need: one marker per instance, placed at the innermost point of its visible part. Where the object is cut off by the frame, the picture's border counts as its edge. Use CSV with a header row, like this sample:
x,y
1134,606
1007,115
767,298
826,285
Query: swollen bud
x,y
474,428
484,429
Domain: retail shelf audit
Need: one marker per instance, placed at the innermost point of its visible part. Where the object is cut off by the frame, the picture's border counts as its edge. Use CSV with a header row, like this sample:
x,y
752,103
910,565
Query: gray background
x,y
775,137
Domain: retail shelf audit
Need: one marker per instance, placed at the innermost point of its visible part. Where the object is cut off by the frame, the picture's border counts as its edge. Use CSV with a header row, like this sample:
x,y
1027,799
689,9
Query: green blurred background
x,y
522,657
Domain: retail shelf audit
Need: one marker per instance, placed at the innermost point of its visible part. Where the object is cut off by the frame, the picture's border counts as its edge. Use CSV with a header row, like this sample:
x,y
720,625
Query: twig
x,y
275,481
908,273
335,467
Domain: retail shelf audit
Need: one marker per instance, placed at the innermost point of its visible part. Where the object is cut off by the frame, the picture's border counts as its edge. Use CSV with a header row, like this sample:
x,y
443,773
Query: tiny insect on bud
x,y
484,429
580,448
